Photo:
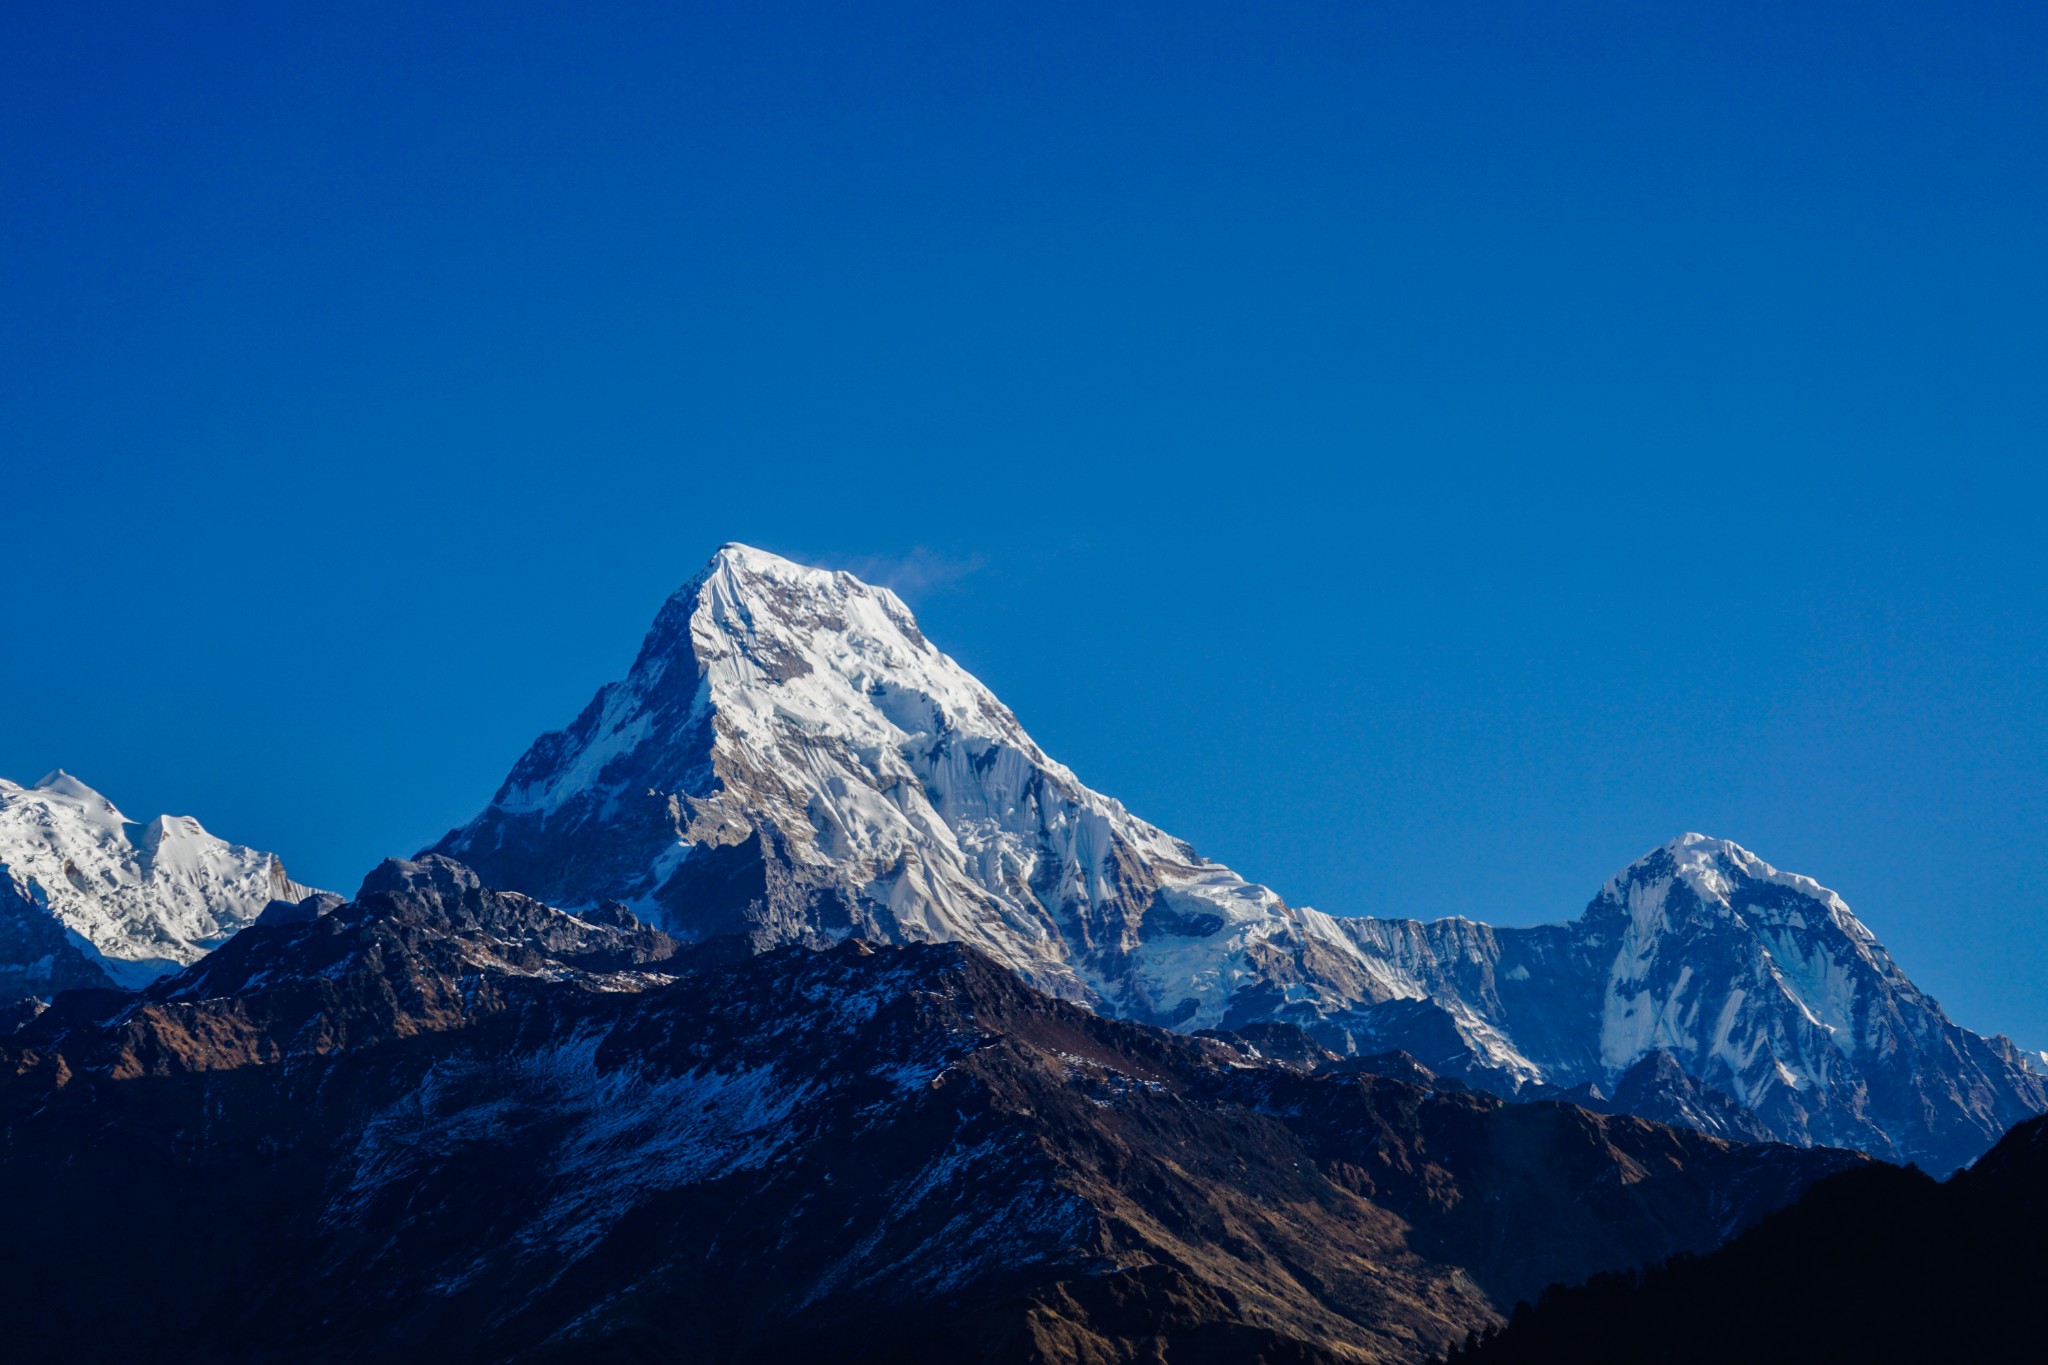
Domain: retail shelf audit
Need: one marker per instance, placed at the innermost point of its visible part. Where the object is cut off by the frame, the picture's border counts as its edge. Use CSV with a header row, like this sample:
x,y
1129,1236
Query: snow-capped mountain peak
x,y
789,759
1818,954
89,899
1713,870
58,786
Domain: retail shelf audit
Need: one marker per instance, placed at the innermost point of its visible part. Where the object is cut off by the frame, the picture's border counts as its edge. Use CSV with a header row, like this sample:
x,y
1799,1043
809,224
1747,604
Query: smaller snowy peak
x,y
1720,874
89,899
59,785
1764,985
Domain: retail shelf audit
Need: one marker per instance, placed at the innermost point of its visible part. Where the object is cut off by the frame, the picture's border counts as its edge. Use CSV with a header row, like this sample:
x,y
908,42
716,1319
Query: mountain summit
x,y
790,760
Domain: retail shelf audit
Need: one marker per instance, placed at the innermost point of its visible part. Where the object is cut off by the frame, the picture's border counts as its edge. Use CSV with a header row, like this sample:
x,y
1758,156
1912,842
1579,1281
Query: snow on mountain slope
x,y
790,760
85,902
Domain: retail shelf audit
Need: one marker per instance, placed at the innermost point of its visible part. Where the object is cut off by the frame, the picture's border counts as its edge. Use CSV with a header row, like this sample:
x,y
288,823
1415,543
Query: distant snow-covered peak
x,y
58,787
782,654
87,898
1716,871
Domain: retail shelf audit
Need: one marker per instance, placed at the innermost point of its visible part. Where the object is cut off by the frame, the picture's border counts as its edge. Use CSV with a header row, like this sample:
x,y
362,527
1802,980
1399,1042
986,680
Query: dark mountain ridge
x,y
1875,1264
444,1121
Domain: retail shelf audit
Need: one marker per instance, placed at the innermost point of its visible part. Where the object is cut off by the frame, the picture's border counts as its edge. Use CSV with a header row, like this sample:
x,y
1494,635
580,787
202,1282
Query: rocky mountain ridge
x,y
444,1121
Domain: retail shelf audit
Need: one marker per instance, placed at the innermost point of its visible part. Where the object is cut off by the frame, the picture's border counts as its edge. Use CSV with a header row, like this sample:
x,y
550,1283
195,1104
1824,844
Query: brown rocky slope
x,y
444,1122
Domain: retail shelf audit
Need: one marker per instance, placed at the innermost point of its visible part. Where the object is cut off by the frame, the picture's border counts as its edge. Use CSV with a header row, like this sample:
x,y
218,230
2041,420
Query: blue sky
x,y
1424,454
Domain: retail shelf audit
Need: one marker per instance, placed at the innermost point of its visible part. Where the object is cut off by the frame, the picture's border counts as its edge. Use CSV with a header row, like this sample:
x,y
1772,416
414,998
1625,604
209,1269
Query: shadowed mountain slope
x,y
447,1122
1879,1264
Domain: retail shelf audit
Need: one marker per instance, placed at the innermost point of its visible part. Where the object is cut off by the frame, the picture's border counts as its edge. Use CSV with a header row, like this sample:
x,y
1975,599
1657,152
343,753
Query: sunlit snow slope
x,y
88,898
789,759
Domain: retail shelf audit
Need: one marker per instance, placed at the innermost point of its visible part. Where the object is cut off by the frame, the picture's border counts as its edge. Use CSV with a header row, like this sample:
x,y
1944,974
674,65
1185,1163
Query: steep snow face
x,y
791,759
1764,984
88,899
1789,951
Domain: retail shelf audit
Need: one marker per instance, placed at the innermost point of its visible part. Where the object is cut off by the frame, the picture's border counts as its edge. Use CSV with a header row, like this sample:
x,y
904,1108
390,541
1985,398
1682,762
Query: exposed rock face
x,y
446,1122
791,761
1659,1087
86,903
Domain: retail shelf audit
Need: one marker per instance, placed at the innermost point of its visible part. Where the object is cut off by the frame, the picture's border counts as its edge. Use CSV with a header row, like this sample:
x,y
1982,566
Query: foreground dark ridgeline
x,y
1880,1264
442,1122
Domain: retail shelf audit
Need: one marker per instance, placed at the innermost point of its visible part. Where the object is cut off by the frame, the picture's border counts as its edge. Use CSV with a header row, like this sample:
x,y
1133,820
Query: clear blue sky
x,y
1426,454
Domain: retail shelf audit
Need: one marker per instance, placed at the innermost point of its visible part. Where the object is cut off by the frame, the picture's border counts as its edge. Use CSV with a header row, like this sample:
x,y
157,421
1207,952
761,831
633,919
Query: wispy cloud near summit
x,y
917,572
